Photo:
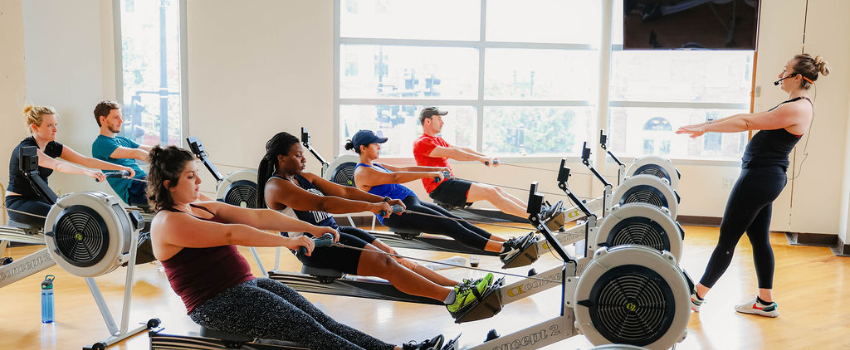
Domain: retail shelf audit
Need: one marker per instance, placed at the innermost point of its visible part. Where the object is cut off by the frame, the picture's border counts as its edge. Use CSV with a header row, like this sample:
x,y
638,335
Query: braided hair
x,y
280,144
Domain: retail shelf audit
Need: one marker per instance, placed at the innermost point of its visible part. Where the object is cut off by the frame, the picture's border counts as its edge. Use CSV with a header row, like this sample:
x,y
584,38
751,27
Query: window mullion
x,y
479,139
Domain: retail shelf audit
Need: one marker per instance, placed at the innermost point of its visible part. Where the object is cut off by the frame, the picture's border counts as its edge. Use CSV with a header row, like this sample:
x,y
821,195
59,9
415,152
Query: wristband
x,y
387,199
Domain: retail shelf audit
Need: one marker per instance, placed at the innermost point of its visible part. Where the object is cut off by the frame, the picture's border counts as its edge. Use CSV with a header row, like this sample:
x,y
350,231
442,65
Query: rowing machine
x,y
628,294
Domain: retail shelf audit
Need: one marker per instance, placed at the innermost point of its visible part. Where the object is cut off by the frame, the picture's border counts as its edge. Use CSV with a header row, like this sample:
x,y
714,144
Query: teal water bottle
x,y
47,312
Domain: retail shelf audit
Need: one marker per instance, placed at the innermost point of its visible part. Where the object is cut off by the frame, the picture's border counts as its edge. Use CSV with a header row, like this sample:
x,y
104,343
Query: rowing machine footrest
x,y
230,340
557,221
524,258
489,306
321,273
406,233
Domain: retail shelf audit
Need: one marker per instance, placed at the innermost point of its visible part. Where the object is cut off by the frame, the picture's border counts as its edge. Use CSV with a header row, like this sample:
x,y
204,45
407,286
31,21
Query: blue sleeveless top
x,y
770,147
394,191
318,218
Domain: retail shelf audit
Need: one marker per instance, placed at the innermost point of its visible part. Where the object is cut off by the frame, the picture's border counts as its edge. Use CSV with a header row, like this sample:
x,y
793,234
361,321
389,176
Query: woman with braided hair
x,y
762,179
283,185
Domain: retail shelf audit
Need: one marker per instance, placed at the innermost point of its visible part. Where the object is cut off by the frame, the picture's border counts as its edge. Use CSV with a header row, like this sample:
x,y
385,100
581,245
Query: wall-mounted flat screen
x,y
690,24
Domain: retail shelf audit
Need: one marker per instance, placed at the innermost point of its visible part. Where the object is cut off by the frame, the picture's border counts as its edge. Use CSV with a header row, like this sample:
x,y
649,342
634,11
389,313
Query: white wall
x,y
12,82
261,67
257,68
66,43
817,201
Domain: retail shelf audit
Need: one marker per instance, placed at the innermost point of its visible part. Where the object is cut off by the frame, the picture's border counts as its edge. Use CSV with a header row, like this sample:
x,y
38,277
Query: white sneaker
x,y
754,307
695,302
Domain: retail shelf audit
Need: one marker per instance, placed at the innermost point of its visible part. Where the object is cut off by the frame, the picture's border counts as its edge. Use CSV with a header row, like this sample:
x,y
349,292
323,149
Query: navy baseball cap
x,y
366,137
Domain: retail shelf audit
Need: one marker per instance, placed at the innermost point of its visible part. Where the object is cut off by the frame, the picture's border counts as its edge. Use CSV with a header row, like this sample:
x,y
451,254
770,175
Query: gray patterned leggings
x,y
268,309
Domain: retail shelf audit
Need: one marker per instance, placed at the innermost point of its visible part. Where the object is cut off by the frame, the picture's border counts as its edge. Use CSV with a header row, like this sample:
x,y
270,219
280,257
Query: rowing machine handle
x,y
121,173
115,174
396,209
325,241
495,162
446,175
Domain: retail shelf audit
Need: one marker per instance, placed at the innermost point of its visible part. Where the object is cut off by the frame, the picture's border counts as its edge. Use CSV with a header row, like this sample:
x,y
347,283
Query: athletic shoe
x,y
435,343
550,211
469,292
757,308
695,302
6,261
514,246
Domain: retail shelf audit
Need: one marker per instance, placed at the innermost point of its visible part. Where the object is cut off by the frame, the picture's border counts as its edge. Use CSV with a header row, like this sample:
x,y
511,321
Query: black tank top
x,y
318,218
17,182
771,147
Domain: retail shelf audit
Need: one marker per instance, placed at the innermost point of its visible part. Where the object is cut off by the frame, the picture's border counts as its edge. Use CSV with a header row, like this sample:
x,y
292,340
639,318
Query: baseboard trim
x,y
699,220
841,249
812,239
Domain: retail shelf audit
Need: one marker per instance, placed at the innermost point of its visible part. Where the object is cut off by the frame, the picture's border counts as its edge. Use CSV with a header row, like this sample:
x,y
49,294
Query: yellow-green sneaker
x,y
469,293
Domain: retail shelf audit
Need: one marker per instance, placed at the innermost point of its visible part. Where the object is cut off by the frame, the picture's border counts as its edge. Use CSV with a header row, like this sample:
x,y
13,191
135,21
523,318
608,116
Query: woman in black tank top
x,y
761,181
283,183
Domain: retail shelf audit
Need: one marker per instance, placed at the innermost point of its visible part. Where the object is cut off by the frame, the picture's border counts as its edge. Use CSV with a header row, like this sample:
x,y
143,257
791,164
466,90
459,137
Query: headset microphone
x,y
776,83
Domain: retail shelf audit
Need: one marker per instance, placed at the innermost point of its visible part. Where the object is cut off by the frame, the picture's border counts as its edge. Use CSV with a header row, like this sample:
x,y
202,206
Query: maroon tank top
x,y
199,274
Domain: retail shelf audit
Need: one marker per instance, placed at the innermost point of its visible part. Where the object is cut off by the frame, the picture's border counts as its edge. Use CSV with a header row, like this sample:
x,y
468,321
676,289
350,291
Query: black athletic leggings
x,y
268,309
748,209
462,231
33,205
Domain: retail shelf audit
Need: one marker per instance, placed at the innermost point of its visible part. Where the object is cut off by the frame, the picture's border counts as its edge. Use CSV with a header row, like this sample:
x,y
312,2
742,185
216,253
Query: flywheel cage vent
x,y
641,231
81,236
242,193
644,194
654,170
631,304
344,174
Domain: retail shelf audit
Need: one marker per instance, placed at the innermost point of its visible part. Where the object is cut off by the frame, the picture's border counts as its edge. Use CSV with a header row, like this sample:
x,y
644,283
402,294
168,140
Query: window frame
x,y
184,59
479,103
605,50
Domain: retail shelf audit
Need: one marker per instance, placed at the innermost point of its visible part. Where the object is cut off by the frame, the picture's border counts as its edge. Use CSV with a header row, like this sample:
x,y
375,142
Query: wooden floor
x,y
810,285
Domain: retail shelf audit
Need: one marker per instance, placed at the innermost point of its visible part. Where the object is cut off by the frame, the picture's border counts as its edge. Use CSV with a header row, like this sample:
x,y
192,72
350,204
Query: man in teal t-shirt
x,y
120,150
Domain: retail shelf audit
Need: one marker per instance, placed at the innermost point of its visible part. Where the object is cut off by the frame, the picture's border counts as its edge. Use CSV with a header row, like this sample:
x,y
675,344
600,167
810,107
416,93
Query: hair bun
x,y
821,65
349,145
28,109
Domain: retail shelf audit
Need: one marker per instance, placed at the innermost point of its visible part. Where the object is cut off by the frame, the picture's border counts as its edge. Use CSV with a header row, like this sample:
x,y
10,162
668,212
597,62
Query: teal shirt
x,y
103,147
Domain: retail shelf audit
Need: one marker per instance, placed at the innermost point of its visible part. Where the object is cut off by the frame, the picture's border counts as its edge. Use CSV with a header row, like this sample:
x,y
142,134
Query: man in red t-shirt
x,y
433,151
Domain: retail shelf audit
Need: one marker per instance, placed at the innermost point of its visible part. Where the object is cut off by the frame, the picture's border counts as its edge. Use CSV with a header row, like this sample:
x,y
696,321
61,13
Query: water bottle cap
x,y
48,282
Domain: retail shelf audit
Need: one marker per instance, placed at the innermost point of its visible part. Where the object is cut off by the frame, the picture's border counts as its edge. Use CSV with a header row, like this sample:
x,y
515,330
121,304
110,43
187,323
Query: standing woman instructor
x,y
762,179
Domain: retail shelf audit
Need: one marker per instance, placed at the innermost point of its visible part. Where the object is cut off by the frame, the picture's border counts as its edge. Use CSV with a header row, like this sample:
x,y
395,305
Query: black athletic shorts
x,y
453,191
340,259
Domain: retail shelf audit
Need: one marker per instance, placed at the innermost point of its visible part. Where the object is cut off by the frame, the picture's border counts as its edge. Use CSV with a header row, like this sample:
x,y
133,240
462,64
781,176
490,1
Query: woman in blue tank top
x,y
762,179
284,185
385,180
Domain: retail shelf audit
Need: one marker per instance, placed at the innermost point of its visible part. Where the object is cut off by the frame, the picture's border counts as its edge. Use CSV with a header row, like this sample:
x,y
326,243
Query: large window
x,y
521,78
151,75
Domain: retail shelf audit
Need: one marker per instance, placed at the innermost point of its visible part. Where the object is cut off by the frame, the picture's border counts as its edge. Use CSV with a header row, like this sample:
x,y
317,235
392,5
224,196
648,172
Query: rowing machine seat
x,y
406,233
323,274
29,228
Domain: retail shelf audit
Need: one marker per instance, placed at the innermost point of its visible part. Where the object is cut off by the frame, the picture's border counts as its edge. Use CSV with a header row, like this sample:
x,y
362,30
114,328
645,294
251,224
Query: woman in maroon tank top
x,y
195,241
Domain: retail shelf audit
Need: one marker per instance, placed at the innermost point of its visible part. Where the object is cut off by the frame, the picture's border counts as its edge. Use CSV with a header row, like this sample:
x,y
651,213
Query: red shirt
x,y
422,148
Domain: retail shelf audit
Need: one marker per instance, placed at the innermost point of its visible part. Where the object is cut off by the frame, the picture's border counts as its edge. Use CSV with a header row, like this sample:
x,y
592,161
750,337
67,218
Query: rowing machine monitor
x,y
198,150
28,164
